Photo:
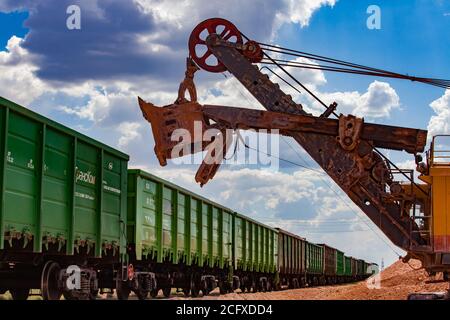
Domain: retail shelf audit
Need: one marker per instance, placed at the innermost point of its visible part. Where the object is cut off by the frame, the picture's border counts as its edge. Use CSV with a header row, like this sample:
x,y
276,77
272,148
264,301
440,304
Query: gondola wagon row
x,y
74,218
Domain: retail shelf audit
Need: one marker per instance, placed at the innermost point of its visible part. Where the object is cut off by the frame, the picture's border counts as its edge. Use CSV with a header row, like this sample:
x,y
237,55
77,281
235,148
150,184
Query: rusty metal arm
x,y
191,120
382,136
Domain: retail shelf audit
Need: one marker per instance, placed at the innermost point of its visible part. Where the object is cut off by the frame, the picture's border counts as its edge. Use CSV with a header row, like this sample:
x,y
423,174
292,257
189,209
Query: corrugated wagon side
x,y
63,200
256,249
291,259
361,271
340,266
330,265
314,263
347,267
354,268
185,239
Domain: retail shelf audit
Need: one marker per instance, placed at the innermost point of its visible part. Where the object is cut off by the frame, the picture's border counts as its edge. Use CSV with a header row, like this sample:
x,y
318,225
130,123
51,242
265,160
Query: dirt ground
x,y
396,282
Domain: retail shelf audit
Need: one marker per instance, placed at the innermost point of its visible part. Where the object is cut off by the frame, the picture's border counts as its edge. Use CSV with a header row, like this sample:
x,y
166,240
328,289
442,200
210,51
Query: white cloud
x,y
311,78
271,13
378,101
406,164
439,123
227,92
300,12
95,110
237,185
129,131
18,81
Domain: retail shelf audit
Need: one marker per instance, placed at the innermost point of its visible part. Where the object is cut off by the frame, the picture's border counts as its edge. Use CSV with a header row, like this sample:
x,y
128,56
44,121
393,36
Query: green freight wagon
x,y
291,259
372,268
170,227
360,268
256,250
314,258
347,267
63,200
366,268
314,263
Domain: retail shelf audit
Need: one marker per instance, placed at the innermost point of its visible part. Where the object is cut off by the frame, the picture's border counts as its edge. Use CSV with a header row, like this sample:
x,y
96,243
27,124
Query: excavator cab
x,y
436,175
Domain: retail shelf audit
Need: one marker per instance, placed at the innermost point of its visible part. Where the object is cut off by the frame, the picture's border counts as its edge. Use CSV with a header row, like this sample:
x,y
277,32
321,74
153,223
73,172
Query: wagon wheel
x,y
186,291
269,286
315,281
302,283
254,287
262,285
68,296
142,294
166,291
224,29
49,281
242,286
204,287
19,293
223,287
195,291
250,286
93,295
154,293
122,289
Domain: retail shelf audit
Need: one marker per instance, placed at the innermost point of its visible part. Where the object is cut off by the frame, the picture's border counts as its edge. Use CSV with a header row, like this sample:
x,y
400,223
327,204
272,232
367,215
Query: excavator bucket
x,y
177,129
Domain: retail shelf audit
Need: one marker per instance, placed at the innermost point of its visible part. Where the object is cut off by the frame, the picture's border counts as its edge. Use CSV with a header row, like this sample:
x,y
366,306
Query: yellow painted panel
x,y
441,206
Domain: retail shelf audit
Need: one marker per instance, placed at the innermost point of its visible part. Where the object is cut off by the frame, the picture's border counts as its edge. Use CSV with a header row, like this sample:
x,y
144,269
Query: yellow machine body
x,y
438,179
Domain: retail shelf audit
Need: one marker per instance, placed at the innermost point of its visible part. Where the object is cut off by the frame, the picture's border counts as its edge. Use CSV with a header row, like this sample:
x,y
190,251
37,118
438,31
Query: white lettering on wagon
x,y
9,157
87,177
108,188
30,164
84,196
111,189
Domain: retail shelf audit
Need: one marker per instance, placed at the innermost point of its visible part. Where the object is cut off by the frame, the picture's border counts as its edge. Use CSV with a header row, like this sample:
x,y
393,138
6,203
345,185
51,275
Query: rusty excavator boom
x,y
346,148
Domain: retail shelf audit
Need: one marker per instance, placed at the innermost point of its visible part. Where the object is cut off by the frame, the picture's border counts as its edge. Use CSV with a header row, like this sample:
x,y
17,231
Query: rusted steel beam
x,y
166,120
383,136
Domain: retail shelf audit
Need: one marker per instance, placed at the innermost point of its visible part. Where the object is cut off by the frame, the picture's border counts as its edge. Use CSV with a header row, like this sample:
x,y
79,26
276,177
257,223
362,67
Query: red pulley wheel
x,y
198,49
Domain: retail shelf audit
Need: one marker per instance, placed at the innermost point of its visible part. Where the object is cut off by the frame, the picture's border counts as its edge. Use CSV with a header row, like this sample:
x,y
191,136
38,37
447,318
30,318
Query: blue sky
x,y
88,79
414,38
12,24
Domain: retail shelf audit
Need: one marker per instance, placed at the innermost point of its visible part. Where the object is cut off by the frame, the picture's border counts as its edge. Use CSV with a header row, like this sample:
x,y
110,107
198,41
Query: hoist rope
x,y
353,67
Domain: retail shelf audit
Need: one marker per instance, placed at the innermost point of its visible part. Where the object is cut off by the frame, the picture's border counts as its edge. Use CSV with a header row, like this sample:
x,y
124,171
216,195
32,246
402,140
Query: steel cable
x,y
354,68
